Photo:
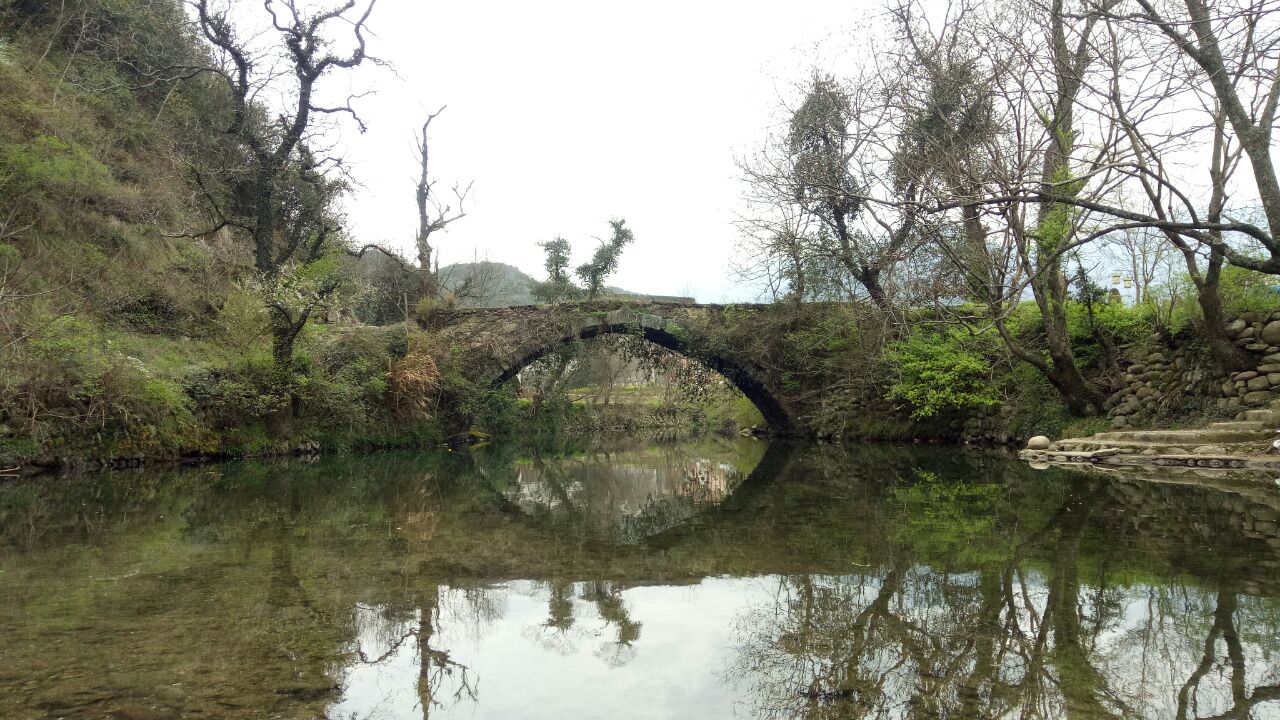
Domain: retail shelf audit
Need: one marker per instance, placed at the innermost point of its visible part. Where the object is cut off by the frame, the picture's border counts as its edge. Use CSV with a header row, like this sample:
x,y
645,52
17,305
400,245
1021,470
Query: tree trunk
x,y
1048,282
1214,329
870,279
1214,325
1064,374
264,222
1065,377
428,279
1083,687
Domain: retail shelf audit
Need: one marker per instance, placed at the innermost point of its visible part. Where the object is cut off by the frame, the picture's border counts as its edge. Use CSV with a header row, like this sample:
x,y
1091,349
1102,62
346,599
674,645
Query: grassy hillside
x,y
124,331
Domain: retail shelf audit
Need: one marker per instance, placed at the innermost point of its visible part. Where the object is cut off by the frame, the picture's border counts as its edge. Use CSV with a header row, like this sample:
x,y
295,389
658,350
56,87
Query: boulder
x,y
1249,316
1269,367
1234,328
1259,383
1257,398
1271,332
1039,442
1246,375
1274,378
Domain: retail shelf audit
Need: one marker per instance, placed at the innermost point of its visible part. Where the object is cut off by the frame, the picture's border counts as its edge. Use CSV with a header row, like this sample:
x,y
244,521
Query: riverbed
x,y
700,579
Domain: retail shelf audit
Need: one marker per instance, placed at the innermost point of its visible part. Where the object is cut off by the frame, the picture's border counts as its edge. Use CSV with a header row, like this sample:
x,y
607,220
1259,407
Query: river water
x,y
708,579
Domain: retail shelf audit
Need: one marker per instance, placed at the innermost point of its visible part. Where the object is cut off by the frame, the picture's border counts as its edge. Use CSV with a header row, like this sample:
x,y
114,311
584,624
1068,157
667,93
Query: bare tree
x,y
1236,47
1143,253
808,188
1225,59
994,113
284,199
773,249
433,214
1143,83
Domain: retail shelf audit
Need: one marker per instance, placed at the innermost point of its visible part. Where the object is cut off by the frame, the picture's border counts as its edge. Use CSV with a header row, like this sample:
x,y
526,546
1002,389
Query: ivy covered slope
x,y
123,331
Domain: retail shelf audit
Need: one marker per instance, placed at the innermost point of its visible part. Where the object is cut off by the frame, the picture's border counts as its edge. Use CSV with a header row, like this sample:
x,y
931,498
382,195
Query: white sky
x,y
565,114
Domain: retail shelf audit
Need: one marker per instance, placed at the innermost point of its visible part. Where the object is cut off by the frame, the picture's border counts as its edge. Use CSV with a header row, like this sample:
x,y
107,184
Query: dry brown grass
x,y
414,380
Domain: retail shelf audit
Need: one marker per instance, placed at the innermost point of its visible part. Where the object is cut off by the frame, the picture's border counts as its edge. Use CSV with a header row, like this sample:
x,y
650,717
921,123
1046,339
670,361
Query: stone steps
x,y
1270,418
1089,444
1208,436
1093,443
1243,425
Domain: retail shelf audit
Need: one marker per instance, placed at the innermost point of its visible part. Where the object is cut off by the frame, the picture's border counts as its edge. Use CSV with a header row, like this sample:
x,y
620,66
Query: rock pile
x,y
1166,378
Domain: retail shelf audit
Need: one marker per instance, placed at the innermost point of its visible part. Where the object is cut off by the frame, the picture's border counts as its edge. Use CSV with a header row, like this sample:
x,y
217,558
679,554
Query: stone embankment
x,y
1162,381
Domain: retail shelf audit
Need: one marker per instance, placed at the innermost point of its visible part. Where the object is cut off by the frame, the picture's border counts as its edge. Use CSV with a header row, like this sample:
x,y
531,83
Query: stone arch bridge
x,y
491,346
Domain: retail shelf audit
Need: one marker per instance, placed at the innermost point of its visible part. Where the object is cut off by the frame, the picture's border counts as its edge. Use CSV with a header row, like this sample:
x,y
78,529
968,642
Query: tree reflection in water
x,y
868,582
397,664
1012,638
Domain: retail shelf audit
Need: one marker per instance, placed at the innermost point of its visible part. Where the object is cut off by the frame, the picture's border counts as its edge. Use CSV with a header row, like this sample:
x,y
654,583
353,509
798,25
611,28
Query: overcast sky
x,y
566,114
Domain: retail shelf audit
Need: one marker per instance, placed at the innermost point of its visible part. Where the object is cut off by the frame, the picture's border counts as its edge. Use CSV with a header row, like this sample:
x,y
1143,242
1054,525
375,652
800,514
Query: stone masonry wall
x,y
1165,380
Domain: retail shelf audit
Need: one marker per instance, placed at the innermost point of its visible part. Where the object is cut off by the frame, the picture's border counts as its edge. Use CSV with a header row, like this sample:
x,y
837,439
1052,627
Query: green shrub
x,y
245,393
10,258
937,372
1246,290
150,311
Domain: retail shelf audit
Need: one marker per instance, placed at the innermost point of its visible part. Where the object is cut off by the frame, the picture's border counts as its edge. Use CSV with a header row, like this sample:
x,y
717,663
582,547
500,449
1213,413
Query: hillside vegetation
x,y
126,331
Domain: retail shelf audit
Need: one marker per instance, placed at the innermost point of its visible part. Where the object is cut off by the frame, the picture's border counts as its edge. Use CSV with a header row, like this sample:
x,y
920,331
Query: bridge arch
x,y
665,332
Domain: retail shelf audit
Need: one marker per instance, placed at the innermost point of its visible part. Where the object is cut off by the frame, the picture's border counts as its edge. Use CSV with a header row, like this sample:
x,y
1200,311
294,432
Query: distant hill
x,y
488,284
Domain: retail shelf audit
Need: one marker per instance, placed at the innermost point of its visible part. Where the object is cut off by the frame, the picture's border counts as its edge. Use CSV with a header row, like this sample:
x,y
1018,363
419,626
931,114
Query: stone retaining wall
x,y
1165,380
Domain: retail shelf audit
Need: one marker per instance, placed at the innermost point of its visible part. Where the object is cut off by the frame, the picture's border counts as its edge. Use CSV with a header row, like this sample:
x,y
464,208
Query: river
x,y
714,578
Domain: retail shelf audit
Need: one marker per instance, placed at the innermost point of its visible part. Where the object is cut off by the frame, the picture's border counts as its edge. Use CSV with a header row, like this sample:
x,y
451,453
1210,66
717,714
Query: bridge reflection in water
x,y
675,581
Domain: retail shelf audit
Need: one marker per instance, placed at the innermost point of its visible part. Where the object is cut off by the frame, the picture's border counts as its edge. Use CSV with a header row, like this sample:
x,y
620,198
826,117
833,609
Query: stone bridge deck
x,y
491,346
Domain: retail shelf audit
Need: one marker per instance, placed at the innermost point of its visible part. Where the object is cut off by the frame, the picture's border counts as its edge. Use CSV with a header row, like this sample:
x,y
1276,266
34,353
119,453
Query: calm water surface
x,y
710,579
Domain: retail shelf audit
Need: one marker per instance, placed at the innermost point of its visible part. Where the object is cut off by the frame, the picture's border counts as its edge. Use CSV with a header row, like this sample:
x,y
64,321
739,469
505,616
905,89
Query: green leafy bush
x,y
1244,290
938,372
238,395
